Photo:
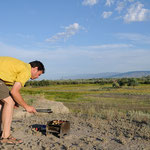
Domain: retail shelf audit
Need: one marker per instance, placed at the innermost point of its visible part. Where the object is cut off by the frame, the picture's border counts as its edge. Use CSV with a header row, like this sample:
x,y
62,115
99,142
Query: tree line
x,y
116,82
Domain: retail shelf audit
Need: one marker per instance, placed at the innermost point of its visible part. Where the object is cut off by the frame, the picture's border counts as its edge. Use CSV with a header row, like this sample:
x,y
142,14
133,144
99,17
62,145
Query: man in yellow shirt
x,y
16,73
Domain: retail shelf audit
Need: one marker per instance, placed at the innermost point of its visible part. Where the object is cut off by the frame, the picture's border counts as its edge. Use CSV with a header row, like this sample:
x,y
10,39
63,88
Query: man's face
x,y
35,73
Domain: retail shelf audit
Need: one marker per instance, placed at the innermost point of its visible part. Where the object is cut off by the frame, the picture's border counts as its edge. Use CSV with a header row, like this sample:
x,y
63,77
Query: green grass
x,y
126,109
94,97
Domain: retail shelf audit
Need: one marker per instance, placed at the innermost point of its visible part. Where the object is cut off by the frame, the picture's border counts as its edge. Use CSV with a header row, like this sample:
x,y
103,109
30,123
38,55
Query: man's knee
x,y
9,101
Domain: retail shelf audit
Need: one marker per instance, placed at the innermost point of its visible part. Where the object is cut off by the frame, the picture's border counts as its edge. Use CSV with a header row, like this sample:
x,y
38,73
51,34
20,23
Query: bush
x,y
115,85
132,82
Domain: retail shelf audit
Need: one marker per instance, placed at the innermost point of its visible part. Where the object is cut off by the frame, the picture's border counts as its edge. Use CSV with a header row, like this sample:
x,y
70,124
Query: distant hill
x,y
89,76
134,74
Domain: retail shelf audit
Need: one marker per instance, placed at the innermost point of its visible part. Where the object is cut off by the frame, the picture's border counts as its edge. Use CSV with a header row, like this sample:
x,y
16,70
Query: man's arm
x,y
15,92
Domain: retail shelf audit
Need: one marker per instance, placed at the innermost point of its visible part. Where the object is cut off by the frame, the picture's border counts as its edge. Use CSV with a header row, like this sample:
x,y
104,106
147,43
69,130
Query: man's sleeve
x,y
22,77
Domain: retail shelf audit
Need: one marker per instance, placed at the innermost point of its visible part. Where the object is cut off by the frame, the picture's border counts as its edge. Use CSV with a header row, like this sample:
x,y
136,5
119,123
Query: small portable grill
x,y
58,127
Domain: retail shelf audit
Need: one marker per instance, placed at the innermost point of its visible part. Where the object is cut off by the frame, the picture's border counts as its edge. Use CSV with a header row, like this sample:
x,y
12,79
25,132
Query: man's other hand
x,y
31,109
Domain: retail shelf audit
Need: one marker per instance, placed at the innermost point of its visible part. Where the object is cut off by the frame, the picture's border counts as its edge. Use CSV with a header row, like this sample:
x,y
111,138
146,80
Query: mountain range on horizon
x,y
130,74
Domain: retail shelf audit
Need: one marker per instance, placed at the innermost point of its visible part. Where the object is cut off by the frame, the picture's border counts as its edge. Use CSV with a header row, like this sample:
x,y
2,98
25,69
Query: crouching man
x,y
16,73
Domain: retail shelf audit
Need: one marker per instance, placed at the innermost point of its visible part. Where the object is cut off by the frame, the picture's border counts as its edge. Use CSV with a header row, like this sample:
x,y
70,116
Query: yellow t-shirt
x,y
13,70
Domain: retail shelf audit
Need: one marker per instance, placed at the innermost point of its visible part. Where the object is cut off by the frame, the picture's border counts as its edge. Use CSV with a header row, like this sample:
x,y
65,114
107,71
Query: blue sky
x,y
77,36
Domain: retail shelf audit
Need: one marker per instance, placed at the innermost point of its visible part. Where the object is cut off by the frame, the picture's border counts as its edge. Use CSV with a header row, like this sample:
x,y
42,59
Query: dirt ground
x,y
86,133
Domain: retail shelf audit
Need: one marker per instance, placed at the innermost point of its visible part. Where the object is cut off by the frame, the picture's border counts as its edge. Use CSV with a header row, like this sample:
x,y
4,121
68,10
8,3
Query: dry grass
x,y
99,100
122,114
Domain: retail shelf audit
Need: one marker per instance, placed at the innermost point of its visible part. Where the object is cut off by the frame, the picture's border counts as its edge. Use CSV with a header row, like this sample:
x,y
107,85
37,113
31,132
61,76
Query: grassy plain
x,y
93,98
122,113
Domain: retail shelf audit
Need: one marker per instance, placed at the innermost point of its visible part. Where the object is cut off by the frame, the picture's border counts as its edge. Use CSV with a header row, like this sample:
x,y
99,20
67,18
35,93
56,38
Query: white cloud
x,y
106,14
69,31
132,10
90,2
136,12
134,37
115,57
9,50
109,2
120,6
110,46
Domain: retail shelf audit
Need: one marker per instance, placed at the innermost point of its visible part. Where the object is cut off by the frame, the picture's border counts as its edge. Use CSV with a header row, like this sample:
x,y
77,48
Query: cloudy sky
x,y
77,36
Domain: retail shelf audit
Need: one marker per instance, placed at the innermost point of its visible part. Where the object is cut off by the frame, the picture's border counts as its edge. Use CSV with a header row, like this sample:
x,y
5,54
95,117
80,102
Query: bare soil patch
x,y
86,133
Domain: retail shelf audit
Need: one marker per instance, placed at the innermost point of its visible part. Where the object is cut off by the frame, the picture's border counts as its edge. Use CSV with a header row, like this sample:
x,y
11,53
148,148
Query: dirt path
x,y
86,133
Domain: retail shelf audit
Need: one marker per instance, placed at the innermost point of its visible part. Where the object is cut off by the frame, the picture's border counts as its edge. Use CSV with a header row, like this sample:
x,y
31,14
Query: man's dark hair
x,y
37,64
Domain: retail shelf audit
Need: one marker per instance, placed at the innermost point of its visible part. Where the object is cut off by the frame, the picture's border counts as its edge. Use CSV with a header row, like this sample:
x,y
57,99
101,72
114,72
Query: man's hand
x,y
30,109
15,92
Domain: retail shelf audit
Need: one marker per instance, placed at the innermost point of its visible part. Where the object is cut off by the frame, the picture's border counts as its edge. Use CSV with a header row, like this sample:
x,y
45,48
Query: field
x,y
95,99
102,117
